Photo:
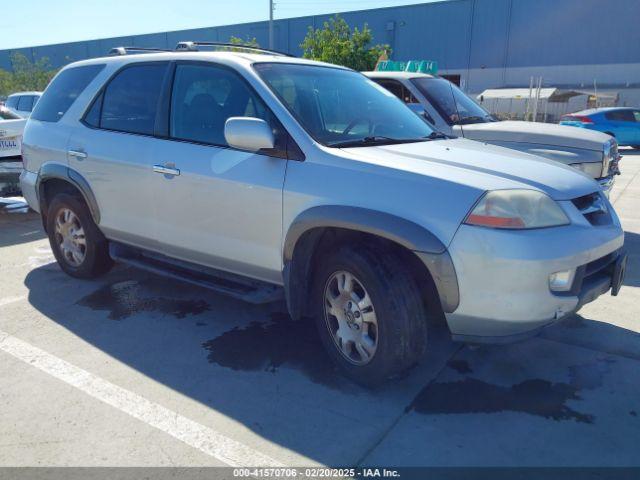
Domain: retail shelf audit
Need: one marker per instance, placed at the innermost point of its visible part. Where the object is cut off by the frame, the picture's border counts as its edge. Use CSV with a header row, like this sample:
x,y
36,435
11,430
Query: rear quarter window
x,y
63,91
12,102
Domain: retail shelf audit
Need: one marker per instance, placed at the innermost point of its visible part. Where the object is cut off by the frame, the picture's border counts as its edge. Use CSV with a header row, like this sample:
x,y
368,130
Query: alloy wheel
x,y
350,317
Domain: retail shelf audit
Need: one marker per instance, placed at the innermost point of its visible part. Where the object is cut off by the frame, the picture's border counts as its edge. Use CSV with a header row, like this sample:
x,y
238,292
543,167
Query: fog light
x,y
562,281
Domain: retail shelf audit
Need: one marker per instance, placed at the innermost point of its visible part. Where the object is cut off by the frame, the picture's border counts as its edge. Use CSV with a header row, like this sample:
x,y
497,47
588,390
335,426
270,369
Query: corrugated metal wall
x,y
489,42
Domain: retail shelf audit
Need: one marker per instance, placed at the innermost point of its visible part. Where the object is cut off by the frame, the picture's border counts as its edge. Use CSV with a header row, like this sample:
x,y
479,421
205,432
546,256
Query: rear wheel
x,y
369,314
79,247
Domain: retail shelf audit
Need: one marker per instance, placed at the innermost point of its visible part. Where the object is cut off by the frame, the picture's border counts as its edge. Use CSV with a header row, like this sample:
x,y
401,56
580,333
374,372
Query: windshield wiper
x,y
376,140
436,135
471,119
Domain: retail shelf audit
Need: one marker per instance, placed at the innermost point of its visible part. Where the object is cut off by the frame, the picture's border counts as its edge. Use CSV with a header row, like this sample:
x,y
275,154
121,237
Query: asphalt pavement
x,y
137,370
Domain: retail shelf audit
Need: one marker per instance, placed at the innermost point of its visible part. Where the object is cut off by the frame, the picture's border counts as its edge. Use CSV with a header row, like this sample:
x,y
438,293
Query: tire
x,y
81,261
400,330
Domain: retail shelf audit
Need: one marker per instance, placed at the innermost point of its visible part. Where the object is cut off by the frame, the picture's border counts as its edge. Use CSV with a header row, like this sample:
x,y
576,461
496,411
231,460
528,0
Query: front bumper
x,y
606,184
503,276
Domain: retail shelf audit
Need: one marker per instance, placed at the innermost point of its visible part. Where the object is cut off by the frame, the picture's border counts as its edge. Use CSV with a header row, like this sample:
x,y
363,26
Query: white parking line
x,y
10,300
198,436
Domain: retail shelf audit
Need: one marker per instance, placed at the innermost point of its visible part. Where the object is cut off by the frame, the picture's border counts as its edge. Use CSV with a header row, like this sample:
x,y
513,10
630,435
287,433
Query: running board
x,y
236,286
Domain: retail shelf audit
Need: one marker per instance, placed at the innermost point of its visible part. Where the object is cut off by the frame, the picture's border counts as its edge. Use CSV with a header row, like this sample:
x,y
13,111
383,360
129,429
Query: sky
x,y
40,22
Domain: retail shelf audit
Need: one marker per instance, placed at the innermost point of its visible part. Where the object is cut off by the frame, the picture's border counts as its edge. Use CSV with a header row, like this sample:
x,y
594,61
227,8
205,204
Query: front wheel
x,y
78,245
369,313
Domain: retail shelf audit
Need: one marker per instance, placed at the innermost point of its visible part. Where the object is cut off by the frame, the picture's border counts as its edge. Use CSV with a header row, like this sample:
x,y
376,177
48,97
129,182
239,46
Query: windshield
x,y
451,103
340,108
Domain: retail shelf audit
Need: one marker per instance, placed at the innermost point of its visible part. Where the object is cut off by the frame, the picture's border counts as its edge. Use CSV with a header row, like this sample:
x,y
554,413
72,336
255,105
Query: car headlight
x,y
610,158
593,169
516,209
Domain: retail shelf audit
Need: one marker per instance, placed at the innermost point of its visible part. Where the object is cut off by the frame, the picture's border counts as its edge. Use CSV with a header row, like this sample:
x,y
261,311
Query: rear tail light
x,y
577,118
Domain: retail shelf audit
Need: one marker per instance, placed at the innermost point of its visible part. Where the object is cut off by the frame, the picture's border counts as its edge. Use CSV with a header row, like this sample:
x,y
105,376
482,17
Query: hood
x,y
12,128
480,166
535,132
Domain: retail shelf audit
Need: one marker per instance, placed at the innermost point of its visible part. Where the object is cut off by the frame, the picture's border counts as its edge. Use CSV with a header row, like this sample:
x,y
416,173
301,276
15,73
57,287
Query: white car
x,y
22,103
449,110
11,128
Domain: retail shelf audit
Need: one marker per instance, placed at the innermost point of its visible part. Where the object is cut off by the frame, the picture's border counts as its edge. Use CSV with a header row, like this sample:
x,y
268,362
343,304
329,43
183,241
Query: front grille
x,y
594,208
602,263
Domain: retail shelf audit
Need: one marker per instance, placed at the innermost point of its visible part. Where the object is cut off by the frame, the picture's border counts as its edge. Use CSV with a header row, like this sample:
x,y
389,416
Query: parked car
x,y
11,128
261,175
621,123
22,103
450,110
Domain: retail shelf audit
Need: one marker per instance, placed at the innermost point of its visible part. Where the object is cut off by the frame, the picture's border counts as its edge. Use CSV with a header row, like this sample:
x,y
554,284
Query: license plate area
x,y
9,143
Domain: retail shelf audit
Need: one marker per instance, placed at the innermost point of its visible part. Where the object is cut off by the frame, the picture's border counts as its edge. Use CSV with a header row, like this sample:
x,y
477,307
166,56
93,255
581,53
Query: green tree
x,y
6,82
25,75
245,43
31,75
336,43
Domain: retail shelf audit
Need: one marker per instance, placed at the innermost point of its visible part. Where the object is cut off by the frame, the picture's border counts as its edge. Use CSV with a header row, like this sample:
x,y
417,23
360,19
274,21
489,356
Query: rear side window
x,y
397,89
25,104
63,91
130,101
621,116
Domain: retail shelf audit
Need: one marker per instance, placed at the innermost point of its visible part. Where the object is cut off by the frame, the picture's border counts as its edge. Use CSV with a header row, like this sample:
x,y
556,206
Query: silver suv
x,y
261,175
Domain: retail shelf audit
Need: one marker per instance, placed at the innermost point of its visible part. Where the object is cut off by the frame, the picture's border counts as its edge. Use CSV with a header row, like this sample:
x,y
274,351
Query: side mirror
x,y
247,133
428,117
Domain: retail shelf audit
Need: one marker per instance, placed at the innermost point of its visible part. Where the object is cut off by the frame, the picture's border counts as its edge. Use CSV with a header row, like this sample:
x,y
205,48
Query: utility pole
x,y
271,7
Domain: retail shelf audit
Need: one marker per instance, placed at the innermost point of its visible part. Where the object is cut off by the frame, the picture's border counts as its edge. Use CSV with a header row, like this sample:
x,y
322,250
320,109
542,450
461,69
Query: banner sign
x,y
419,66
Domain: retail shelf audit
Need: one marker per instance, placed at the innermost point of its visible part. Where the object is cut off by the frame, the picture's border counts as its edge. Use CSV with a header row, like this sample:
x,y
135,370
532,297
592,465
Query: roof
x,y
238,57
403,75
24,93
551,94
591,111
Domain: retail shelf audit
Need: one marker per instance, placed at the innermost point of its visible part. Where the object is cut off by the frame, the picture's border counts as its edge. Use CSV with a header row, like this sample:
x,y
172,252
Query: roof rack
x,y
193,47
130,50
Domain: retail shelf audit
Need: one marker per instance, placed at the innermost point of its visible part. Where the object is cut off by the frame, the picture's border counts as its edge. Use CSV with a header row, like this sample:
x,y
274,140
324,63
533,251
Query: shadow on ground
x,y
632,245
18,224
258,367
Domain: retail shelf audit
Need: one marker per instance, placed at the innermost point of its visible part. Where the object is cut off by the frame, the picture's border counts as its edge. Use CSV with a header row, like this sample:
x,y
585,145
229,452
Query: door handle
x,y
78,154
166,170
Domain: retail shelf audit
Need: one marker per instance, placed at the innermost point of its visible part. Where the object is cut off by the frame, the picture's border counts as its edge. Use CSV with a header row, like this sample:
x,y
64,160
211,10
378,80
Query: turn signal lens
x,y
517,209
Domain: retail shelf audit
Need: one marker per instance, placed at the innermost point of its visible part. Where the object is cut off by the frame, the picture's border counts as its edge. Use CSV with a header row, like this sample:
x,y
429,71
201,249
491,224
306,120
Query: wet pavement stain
x,y
268,346
536,397
460,366
590,376
123,299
